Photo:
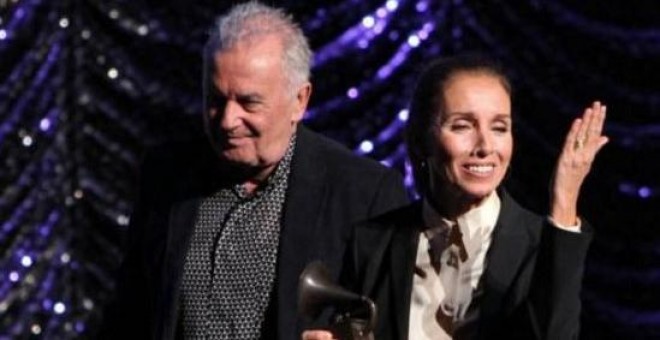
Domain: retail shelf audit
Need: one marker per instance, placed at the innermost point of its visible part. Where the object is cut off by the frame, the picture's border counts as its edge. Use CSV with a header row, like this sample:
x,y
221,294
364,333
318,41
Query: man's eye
x,y
250,104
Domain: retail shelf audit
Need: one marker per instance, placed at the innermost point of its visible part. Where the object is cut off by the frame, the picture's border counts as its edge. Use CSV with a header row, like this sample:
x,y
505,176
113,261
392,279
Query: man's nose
x,y
230,115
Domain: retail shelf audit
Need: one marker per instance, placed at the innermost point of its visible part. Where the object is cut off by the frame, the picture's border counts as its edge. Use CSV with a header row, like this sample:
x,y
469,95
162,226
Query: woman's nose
x,y
484,144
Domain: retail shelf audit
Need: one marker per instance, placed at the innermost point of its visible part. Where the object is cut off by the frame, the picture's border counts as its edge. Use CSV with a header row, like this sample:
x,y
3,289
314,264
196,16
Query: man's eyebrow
x,y
249,96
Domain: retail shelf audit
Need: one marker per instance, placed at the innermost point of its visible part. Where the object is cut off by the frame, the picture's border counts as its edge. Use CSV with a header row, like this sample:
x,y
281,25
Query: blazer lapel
x,y
305,197
182,223
402,264
508,250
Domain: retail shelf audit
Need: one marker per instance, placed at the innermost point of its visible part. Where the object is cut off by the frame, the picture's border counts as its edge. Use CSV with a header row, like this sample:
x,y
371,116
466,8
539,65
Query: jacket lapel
x,y
304,199
509,247
402,264
200,180
182,224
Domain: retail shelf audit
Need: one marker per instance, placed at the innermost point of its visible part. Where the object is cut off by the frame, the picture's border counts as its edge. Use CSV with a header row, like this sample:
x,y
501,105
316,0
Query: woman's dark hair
x,y
427,104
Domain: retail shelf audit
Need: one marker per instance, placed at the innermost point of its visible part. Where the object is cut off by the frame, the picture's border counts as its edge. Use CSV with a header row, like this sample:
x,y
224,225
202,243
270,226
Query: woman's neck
x,y
452,204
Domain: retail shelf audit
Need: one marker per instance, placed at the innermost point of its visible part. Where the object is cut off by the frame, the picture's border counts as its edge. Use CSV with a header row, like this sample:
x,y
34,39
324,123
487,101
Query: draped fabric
x,y
86,85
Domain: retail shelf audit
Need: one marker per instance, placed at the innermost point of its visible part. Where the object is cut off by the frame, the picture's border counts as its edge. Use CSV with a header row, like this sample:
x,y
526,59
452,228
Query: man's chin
x,y
237,161
233,155
230,148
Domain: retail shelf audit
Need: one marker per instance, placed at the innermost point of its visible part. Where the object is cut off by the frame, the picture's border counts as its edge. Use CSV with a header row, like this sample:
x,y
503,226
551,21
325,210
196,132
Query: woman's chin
x,y
477,194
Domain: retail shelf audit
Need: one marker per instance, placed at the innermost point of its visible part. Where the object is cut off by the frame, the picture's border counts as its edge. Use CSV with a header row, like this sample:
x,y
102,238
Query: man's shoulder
x,y
407,216
321,148
401,223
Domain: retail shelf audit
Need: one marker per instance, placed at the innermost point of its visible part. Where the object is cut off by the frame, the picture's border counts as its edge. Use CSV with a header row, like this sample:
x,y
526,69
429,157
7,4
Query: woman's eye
x,y
460,126
501,129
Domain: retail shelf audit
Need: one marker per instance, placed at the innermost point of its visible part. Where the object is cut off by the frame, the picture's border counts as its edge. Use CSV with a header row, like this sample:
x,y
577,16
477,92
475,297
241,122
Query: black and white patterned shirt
x,y
230,265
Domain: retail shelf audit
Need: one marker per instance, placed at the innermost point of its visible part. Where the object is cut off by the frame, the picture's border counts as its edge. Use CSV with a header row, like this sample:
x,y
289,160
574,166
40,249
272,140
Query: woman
x,y
467,261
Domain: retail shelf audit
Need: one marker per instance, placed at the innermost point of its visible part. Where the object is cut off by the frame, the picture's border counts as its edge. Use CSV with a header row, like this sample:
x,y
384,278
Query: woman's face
x,y
471,143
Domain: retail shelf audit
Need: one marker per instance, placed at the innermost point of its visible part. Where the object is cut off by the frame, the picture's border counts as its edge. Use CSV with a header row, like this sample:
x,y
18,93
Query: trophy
x,y
356,315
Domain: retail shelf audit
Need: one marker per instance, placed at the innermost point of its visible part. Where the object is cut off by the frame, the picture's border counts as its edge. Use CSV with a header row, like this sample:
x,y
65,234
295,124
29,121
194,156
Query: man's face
x,y
472,143
251,112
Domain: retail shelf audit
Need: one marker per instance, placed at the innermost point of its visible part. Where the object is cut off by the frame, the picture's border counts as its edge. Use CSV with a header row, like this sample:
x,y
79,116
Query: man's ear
x,y
301,101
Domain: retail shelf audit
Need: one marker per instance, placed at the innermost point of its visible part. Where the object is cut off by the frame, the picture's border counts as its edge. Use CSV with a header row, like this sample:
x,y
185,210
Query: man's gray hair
x,y
251,20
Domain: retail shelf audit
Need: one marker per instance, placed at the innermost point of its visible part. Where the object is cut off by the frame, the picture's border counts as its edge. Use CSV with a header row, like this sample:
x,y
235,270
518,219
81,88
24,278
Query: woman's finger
x,y
598,122
571,141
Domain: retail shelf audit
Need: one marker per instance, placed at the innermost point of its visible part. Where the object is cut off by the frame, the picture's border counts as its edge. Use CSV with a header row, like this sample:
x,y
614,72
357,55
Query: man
x,y
221,233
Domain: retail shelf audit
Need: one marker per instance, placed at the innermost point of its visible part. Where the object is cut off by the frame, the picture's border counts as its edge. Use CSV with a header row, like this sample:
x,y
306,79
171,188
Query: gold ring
x,y
579,144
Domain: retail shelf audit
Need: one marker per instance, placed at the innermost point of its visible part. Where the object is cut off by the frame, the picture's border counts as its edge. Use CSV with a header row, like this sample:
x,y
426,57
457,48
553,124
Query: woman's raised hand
x,y
582,143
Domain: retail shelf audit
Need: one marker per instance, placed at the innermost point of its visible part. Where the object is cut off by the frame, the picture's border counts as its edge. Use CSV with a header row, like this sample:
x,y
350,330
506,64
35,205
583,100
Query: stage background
x,y
87,85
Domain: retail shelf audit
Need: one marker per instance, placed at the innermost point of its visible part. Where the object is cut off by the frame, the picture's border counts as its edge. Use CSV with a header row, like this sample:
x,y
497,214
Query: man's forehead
x,y
266,40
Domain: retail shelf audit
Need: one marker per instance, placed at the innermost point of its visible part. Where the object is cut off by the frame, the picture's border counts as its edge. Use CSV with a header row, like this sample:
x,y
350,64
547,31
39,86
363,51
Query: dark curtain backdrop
x,y
87,85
